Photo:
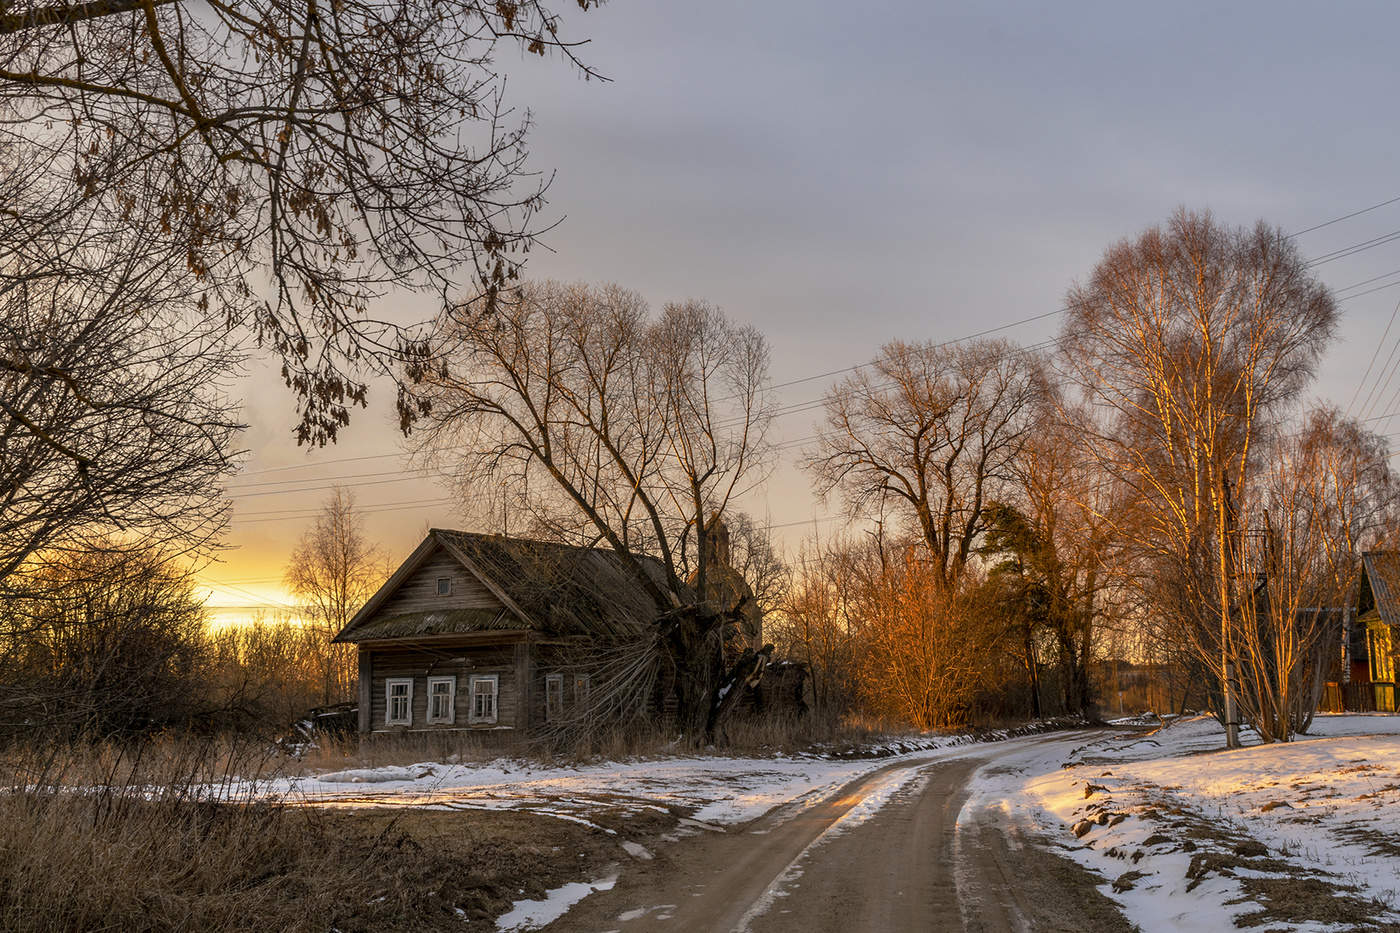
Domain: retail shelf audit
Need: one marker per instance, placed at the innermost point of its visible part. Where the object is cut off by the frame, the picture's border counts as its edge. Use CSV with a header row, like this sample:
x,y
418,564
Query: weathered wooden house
x,y
1361,675
483,633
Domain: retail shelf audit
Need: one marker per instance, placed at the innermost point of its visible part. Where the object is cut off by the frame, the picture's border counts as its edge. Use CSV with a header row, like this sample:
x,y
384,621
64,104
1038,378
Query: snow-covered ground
x,y
1193,837
1188,836
712,790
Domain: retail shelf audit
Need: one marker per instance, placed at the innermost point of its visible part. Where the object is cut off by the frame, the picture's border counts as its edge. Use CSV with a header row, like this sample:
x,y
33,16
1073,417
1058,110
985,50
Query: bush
x,y
101,641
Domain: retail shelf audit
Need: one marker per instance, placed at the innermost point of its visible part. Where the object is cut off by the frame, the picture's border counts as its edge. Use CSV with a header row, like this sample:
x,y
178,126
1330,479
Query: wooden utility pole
x,y
1228,536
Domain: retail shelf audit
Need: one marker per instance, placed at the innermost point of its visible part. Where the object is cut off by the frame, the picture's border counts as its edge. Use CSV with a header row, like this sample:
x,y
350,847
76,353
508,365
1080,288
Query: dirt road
x,y
900,849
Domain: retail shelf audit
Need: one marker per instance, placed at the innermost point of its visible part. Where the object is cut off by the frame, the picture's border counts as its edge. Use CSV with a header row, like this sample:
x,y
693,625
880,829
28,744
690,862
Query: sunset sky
x,y
844,174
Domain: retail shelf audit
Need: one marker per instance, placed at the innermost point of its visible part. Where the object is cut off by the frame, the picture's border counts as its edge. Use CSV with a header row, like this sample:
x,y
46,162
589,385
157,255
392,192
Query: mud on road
x,y
899,849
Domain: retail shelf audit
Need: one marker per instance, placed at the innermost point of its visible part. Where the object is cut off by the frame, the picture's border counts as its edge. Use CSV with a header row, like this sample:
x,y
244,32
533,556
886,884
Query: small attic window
x,y
444,586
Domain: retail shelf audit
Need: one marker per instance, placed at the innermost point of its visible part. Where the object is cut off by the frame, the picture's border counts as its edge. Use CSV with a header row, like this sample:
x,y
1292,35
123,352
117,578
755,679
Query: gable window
x,y
442,699
398,701
581,687
483,688
444,586
553,696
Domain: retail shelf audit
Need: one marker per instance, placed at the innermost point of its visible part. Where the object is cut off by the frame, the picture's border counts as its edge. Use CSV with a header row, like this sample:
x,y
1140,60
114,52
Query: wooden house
x,y
482,633
1361,675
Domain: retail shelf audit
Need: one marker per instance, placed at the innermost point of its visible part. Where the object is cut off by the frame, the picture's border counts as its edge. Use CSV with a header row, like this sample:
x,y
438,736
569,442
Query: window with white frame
x,y
484,689
581,687
442,699
398,701
553,696
444,586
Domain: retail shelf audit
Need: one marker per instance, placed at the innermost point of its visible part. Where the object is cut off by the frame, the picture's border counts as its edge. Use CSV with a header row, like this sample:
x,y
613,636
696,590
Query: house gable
x,y
1380,585
409,602
457,583
419,591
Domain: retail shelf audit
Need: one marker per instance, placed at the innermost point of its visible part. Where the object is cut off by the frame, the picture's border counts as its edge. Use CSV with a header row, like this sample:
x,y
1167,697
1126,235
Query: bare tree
x,y
301,157
929,433
113,426
1190,342
603,424
1052,538
109,641
333,571
813,625
1324,495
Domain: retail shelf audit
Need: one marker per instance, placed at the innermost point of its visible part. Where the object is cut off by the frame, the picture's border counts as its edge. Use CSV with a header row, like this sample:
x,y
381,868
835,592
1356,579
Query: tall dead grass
x,y
153,837
172,835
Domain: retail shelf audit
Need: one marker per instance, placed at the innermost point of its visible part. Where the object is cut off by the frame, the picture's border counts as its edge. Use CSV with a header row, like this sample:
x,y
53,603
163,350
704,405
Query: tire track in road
x,y
888,852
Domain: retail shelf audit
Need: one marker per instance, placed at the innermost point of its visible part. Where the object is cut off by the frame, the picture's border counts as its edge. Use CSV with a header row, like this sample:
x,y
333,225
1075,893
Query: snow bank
x,y
1144,811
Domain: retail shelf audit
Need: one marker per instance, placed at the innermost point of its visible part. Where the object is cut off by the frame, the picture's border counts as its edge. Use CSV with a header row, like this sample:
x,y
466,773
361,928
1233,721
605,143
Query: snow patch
x,y
377,775
637,851
531,915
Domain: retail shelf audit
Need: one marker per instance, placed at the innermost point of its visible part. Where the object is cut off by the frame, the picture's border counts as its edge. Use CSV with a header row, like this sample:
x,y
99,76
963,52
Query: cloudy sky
x,y
843,174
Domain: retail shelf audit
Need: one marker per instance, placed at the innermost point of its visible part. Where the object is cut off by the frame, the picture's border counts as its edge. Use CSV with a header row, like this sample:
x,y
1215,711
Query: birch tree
x,y
1324,495
333,571
1190,342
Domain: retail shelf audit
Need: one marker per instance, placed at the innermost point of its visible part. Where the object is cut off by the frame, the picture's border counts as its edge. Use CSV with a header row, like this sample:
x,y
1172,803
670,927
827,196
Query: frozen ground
x,y
1299,836
711,790
708,789
701,793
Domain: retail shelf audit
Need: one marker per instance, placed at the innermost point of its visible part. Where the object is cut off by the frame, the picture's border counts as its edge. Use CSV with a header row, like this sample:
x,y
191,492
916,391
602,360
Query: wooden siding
x,y
553,659
365,659
419,592
461,662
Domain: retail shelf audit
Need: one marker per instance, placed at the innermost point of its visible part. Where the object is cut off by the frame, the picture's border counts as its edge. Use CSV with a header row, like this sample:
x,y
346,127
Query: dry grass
x,y
330,754
71,862
102,837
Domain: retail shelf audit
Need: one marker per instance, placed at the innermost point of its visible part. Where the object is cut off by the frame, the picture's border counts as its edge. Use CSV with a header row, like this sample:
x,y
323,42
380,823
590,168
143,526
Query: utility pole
x,y
1227,666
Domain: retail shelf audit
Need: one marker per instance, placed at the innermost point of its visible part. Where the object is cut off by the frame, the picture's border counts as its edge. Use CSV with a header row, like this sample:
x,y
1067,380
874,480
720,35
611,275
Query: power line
x,y
275,517
801,407
1337,220
837,372
1374,278
230,590
311,511
307,466
1355,248
314,479
1374,355
284,492
981,333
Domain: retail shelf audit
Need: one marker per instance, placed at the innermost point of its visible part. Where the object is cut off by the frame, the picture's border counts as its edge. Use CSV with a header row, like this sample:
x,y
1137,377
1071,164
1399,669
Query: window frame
x,y
389,684
581,696
553,689
451,681
438,586
495,681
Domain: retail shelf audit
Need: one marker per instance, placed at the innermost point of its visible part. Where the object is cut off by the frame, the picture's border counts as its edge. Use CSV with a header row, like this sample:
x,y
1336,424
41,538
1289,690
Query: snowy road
x,y
901,848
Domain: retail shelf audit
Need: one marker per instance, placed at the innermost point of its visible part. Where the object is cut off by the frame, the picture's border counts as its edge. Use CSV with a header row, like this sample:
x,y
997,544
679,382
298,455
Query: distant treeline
x,y
110,641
